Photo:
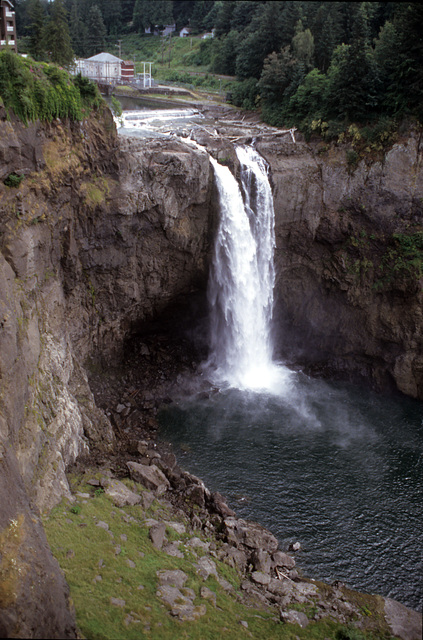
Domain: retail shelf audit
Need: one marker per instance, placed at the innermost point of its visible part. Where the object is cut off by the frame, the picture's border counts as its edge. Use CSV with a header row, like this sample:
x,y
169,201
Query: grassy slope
x,y
181,62
86,551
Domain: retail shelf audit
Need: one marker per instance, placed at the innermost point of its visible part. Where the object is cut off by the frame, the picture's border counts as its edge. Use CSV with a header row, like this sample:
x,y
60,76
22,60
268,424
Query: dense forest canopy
x,y
312,64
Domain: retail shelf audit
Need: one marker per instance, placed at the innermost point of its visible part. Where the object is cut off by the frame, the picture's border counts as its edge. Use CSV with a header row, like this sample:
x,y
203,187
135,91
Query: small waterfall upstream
x,y
242,279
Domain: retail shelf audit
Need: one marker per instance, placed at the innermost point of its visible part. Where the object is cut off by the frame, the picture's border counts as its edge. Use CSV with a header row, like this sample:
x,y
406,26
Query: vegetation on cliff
x,y
41,91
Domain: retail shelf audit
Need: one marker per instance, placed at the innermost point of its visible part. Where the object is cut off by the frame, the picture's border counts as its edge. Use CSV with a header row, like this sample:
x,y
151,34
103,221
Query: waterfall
x,y
241,282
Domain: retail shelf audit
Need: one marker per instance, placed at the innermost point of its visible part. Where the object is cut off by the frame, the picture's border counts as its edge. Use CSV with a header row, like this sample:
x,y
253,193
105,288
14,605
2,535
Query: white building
x,y
103,67
169,28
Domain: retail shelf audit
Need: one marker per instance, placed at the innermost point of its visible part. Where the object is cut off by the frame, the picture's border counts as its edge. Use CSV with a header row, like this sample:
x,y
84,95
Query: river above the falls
x,y
149,118
333,466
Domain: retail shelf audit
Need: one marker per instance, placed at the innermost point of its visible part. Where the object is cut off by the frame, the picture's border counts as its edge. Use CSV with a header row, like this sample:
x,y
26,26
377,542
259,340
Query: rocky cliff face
x,y
100,237
94,240
348,260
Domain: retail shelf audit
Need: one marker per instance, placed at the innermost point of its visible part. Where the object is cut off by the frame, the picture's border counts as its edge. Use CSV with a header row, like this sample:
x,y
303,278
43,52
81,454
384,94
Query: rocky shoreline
x,y
268,575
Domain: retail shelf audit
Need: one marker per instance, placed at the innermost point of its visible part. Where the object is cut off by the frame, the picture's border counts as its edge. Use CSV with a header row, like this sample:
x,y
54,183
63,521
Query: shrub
x,y
352,158
349,633
76,509
244,93
13,180
39,91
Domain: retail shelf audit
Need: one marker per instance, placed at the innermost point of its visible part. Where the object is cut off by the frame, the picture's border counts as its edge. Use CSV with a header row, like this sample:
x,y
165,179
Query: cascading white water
x,y
241,280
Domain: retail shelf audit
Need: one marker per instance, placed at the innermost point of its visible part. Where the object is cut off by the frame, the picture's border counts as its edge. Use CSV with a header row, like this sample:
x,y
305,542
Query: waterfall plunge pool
x,y
333,466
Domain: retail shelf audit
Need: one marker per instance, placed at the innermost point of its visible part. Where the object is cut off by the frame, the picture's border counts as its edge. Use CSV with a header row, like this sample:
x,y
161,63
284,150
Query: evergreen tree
x,y
386,56
353,90
56,36
347,12
127,10
399,56
138,16
78,32
326,32
264,37
308,102
37,16
292,12
148,14
409,58
112,12
243,13
182,12
224,17
209,21
84,8
303,45
96,32
378,13
224,60
68,4
279,80
23,15
200,12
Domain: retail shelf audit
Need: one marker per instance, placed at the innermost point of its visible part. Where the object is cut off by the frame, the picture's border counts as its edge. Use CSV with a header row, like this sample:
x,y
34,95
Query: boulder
x,y
117,602
208,594
121,495
149,476
196,543
195,494
306,589
295,617
233,557
147,499
172,549
261,561
250,534
205,568
219,505
280,587
260,578
157,534
281,559
181,602
404,623
175,578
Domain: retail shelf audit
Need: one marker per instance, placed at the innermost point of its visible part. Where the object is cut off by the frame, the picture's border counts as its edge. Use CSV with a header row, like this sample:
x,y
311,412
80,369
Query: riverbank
x,y
168,96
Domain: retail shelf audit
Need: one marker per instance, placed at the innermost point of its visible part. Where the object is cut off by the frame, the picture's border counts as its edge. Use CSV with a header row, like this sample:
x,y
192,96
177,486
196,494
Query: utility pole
x,y
170,49
119,44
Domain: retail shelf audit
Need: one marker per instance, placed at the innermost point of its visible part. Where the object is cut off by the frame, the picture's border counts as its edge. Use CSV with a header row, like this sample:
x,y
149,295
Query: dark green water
x,y
334,467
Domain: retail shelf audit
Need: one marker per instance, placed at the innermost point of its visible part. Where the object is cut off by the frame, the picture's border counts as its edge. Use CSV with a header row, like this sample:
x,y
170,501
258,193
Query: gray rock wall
x,y
344,301
93,241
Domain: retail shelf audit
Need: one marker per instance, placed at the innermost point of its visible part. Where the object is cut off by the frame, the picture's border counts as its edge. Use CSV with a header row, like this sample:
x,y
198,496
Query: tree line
x,y
86,27
299,62
307,62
